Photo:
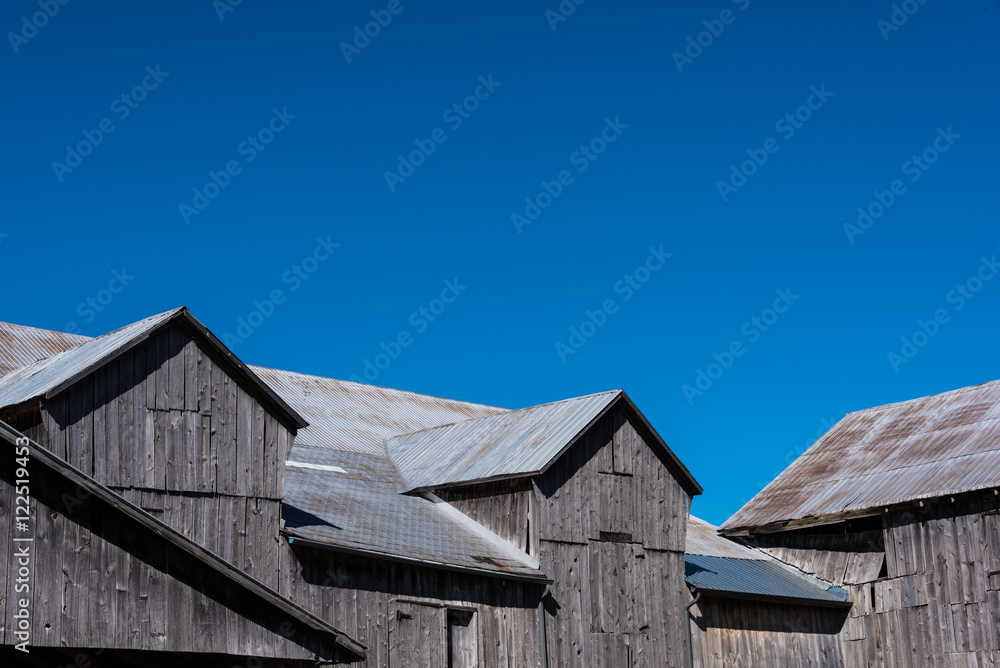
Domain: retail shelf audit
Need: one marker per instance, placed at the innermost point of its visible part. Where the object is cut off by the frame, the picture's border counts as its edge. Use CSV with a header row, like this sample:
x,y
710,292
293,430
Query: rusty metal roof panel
x,y
718,566
21,346
929,447
354,504
358,418
38,378
520,442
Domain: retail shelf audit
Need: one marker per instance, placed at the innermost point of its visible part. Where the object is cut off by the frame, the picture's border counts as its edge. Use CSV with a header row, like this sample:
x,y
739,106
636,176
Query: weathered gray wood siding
x,y
369,599
100,580
611,527
607,523
506,508
728,633
938,602
939,605
166,426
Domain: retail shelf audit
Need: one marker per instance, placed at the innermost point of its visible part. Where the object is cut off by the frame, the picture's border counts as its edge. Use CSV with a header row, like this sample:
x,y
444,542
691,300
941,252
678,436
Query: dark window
x,y
611,537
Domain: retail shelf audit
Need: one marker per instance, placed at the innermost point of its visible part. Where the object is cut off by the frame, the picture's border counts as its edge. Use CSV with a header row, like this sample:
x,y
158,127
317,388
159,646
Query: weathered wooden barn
x,y
900,505
749,608
186,508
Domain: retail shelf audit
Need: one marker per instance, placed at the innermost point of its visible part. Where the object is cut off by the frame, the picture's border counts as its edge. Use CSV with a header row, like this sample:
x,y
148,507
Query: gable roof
x,y
718,566
514,444
341,415
49,373
350,501
212,562
49,376
924,448
349,423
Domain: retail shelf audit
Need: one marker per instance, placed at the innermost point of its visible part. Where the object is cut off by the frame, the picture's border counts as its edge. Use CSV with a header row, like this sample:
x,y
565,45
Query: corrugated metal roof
x,y
748,578
362,510
520,442
925,448
704,539
51,374
46,374
358,418
21,346
355,417
716,565
342,415
349,424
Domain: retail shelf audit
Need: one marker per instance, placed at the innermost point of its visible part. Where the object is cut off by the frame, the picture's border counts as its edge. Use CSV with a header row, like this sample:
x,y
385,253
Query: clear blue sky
x,y
632,139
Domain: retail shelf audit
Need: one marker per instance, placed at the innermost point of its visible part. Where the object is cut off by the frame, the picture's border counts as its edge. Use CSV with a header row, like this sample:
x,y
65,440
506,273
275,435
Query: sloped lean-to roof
x,y
343,493
514,444
920,449
350,501
51,375
718,566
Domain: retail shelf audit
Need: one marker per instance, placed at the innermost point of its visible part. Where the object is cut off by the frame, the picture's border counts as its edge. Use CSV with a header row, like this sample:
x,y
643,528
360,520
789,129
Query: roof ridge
x,y
582,396
470,450
86,339
506,412
379,387
957,390
29,370
393,390
50,376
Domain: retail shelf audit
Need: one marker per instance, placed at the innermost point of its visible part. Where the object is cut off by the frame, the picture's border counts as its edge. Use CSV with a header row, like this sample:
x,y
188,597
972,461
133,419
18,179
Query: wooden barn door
x,y
463,639
417,636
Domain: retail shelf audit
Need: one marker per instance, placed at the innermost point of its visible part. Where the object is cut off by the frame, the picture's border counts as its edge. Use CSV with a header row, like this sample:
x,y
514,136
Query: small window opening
x,y
527,537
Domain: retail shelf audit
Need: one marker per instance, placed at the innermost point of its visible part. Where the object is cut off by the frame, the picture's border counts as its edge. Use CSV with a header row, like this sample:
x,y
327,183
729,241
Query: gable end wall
x,y
167,427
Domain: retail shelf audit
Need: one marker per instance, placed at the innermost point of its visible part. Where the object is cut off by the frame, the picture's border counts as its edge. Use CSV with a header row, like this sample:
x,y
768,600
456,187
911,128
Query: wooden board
x,y
417,635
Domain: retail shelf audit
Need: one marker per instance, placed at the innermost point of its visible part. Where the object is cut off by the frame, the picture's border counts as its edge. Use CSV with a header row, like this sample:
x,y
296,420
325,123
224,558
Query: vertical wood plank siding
x,y
743,634
174,421
617,600
505,508
101,581
165,419
935,605
364,597
166,427
611,526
